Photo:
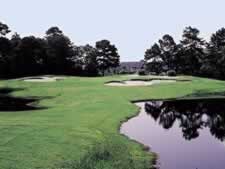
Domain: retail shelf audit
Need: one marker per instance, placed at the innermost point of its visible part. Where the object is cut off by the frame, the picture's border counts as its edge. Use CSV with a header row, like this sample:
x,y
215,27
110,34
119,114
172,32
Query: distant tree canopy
x,y
53,31
4,29
192,56
53,54
86,59
56,54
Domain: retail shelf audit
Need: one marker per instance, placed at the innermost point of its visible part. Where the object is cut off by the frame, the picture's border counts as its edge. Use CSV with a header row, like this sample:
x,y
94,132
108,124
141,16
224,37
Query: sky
x,y
132,25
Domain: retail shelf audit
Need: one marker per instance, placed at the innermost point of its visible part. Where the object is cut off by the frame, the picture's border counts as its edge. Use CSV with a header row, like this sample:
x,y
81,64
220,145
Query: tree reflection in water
x,y
193,115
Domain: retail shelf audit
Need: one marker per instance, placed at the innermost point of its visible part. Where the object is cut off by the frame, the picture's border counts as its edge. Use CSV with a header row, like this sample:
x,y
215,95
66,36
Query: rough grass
x,y
110,154
80,127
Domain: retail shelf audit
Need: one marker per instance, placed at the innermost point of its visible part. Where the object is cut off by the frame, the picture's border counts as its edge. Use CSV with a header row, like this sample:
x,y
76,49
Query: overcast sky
x,y
132,25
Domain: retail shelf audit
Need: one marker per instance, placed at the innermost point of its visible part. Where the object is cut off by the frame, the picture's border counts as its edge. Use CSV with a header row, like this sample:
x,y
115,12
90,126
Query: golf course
x,y
76,121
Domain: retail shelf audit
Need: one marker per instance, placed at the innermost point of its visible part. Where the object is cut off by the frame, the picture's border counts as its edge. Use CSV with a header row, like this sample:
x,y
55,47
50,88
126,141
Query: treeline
x,y
53,54
191,56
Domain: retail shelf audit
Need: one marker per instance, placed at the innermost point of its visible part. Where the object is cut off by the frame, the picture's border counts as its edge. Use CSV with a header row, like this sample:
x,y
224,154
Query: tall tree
x,y
153,59
169,51
107,55
85,60
28,56
78,60
15,40
4,29
90,60
15,46
53,31
192,51
5,48
59,52
214,63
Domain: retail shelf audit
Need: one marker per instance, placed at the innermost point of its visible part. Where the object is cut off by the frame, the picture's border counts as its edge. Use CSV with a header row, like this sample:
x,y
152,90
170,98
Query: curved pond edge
x,y
147,148
144,147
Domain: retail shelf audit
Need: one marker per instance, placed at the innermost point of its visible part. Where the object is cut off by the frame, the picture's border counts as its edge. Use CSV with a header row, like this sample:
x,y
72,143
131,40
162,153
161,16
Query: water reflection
x,y
185,134
192,116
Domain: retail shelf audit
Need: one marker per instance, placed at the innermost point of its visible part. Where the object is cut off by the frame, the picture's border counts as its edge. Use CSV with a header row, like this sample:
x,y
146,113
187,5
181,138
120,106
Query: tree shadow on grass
x,y
12,103
206,93
8,90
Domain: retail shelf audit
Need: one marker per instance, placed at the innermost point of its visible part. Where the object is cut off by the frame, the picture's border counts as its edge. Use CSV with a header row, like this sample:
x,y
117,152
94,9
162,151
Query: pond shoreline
x,y
145,148
129,132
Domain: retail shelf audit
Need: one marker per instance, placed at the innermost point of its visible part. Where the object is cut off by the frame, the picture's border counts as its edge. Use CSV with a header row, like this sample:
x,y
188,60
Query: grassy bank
x,y
79,127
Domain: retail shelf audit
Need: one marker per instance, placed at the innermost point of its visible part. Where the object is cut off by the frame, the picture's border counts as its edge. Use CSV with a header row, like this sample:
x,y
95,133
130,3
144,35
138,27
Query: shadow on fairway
x,y
12,103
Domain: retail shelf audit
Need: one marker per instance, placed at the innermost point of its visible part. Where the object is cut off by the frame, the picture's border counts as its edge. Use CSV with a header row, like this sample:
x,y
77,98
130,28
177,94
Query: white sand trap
x,y
154,76
139,82
43,79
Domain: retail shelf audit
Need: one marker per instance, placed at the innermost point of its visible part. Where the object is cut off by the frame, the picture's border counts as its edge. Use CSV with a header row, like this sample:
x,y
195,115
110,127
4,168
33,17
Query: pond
x,y
185,134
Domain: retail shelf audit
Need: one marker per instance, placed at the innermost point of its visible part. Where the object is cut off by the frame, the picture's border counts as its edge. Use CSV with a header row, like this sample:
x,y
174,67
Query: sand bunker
x,y
139,82
43,79
154,77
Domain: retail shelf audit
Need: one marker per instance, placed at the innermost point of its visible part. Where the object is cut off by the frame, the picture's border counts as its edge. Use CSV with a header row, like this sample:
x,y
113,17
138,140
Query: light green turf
x,y
83,112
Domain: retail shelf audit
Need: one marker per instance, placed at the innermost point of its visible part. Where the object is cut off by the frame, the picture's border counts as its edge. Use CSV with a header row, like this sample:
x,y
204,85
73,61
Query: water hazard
x,y
186,134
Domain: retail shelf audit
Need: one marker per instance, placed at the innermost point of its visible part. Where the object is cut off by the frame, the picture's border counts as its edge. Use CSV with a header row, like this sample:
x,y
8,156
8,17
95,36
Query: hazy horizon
x,y
133,26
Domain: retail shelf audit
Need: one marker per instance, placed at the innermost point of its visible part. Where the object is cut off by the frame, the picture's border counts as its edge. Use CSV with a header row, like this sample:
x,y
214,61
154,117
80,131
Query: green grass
x,y
80,127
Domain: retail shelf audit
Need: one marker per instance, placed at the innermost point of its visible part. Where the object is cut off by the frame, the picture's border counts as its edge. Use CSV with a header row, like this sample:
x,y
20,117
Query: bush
x,y
171,73
152,73
141,72
163,74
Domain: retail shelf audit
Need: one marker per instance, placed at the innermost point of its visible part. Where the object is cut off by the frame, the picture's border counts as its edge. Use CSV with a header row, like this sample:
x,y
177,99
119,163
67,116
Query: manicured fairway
x,y
82,113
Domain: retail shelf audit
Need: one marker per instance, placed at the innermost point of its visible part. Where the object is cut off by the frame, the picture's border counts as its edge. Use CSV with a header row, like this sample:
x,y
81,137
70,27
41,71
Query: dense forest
x,y
191,56
56,54
53,54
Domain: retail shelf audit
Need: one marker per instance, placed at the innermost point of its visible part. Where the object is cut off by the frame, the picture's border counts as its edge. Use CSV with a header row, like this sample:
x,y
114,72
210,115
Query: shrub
x,y
162,74
171,73
141,72
152,73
